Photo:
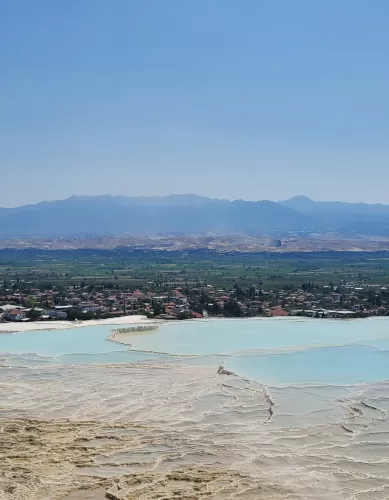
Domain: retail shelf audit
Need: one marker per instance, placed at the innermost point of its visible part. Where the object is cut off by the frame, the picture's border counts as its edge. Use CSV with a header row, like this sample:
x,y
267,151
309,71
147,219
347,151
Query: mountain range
x,y
189,214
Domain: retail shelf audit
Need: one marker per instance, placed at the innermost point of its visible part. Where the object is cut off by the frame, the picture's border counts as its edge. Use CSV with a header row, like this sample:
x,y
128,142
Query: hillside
x,y
185,214
190,214
343,217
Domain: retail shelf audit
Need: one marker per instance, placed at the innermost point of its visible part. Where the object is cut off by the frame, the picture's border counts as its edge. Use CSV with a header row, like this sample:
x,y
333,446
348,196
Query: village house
x,y
56,314
14,315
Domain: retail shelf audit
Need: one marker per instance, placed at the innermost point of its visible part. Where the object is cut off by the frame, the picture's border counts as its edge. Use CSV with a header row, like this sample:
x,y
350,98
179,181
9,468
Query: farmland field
x,y
139,267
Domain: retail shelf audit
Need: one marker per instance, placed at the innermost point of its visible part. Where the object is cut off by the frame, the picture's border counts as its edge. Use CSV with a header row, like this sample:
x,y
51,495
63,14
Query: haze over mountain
x,y
307,206
344,217
189,214
146,215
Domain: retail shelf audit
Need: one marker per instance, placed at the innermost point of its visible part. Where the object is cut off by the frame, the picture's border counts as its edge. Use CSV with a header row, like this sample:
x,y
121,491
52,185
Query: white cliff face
x,y
188,421
315,442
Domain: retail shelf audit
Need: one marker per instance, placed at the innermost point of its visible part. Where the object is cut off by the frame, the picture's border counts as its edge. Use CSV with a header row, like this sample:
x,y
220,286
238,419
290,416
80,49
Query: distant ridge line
x,y
191,214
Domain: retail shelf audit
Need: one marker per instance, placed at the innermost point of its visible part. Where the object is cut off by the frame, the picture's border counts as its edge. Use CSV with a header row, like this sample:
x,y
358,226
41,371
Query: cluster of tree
x,y
374,298
232,308
158,307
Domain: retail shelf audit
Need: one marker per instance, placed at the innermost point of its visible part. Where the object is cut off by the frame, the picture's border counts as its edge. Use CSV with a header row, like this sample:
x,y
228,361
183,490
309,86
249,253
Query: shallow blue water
x,y
88,340
233,336
324,365
86,345
268,350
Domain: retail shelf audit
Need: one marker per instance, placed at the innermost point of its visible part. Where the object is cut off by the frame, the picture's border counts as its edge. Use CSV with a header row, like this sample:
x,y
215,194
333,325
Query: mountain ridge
x,y
189,214
108,214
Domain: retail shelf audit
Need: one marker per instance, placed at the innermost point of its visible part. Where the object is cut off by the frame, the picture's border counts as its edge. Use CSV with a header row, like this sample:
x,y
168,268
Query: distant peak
x,y
301,197
188,196
90,197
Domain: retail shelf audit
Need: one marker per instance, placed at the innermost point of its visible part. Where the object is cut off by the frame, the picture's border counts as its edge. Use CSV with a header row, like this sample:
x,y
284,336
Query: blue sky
x,y
248,99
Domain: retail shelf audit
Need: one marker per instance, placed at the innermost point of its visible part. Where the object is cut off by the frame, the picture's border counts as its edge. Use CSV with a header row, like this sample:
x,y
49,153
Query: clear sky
x,y
253,99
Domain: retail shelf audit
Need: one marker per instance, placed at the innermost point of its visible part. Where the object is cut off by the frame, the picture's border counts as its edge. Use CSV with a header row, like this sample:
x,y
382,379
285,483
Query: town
x,y
21,302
